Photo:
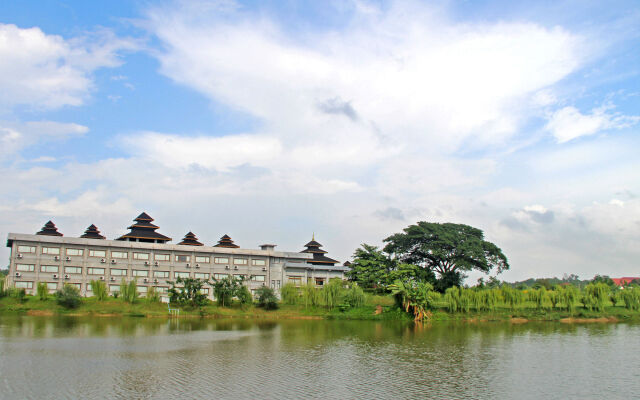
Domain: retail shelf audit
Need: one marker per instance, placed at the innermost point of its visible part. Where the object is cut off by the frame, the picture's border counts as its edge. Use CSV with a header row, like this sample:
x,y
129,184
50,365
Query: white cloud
x,y
406,75
47,71
569,123
15,136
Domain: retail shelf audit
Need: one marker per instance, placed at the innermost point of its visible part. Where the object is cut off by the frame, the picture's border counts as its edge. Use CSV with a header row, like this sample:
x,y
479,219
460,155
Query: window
x,y
118,272
89,287
52,285
97,253
49,268
75,252
119,254
140,256
160,274
24,285
258,278
76,285
240,261
181,274
259,263
140,273
114,288
221,260
319,281
203,259
204,291
54,251
199,275
220,276
25,267
296,280
95,271
72,270
142,289
161,257
239,276
27,249
162,289
183,258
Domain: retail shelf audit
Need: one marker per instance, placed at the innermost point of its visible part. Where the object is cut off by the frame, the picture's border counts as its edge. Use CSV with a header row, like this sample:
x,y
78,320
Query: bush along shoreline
x,y
338,299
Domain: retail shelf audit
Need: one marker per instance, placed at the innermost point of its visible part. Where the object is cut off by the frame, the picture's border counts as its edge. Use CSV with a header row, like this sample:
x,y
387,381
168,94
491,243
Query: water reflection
x,y
52,357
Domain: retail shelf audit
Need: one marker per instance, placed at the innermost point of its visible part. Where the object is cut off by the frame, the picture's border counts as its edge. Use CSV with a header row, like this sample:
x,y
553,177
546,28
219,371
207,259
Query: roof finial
x,y
313,236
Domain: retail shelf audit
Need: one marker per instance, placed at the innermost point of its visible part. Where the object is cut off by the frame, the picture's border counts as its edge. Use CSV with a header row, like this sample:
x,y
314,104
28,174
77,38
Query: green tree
x,y
244,295
267,298
153,295
187,292
415,297
68,296
290,294
370,267
226,289
42,291
99,289
445,248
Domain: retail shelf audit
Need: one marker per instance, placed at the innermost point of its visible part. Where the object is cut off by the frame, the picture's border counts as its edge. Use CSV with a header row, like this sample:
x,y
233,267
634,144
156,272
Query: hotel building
x,y
145,255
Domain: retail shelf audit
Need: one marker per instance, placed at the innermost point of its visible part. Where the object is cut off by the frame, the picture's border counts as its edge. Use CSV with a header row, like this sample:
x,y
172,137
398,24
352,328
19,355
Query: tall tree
x,y
446,248
370,267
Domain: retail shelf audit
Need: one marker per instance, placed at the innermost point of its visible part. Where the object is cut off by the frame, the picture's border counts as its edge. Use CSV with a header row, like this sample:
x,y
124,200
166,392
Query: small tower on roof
x,y
190,239
144,231
49,229
226,241
92,232
319,257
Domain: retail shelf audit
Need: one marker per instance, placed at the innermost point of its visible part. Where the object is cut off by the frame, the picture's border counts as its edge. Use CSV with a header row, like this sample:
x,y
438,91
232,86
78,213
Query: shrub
x,y
244,295
3,290
42,291
290,294
355,296
310,295
19,293
189,294
129,291
331,293
153,295
99,289
68,296
267,298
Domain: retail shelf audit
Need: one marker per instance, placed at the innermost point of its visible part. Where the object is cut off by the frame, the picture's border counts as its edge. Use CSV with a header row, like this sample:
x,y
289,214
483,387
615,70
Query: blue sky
x,y
273,120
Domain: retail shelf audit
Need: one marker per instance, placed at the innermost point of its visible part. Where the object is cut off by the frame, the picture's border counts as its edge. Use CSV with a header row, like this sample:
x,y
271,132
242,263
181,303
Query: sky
x,y
273,121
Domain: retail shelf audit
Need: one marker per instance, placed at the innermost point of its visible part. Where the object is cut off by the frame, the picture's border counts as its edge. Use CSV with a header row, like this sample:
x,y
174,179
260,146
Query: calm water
x,y
47,357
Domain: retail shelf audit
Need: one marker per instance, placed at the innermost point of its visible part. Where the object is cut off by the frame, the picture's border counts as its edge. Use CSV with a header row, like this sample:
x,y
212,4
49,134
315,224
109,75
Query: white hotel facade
x,y
145,256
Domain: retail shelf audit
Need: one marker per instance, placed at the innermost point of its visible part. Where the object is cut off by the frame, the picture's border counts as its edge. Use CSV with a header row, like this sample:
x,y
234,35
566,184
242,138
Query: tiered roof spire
x,y
144,231
92,232
226,241
319,257
49,229
191,240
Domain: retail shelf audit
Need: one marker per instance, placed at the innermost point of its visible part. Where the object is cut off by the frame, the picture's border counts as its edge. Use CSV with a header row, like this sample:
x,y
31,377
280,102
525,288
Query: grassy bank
x,y
376,308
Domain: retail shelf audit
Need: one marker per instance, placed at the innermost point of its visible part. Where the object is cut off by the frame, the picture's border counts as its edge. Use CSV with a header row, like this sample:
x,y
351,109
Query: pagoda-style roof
x,y
319,257
190,239
92,232
144,231
49,229
226,241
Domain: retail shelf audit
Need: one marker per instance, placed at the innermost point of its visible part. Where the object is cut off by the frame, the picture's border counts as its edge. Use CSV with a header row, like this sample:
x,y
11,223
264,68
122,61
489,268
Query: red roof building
x,y
624,281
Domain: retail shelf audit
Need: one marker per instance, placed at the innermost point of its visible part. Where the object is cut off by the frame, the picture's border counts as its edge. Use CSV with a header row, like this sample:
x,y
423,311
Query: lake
x,y
138,358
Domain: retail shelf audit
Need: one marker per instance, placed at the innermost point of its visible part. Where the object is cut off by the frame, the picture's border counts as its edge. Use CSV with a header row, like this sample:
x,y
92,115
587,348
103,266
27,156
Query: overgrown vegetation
x,y
187,292
68,296
42,291
267,298
99,289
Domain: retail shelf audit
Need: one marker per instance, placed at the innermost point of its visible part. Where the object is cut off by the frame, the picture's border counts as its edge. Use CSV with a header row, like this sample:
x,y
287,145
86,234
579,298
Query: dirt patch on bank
x,y
588,320
40,313
519,320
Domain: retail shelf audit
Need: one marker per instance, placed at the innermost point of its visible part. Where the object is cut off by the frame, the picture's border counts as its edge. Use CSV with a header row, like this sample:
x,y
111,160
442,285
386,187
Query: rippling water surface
x,y
55,357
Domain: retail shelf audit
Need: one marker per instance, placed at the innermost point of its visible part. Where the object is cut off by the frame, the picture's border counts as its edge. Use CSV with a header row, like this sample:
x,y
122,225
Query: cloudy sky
x,y
351,119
